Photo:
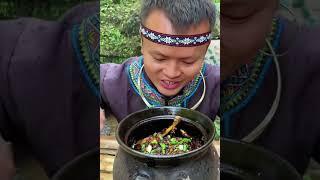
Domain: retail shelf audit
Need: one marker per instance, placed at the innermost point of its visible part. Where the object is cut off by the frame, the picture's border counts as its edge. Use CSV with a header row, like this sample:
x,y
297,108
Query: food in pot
x,y
168,141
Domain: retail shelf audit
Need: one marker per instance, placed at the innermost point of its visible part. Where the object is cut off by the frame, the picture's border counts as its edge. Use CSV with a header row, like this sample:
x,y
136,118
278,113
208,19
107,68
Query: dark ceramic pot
x,y
201,163
243,161
83,167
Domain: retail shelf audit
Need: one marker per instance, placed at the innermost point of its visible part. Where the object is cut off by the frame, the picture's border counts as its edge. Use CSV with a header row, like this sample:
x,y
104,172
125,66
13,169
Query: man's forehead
x,y
177,52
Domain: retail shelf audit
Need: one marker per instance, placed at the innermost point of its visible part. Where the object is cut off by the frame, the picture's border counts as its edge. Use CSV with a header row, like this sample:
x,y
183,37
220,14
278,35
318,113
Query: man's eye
x,y
188,62
159,59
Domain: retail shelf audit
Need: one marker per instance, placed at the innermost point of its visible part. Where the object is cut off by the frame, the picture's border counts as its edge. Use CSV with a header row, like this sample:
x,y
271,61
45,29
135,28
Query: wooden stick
x,y
176,121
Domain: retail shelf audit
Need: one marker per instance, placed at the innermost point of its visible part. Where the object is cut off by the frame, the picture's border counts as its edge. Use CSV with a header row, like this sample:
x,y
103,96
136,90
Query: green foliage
x,y
213,53
216,29
6,9
216,125
119,30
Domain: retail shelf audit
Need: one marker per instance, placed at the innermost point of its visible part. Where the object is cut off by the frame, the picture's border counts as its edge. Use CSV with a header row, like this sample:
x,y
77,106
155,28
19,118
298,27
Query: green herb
x,y
185,147
186,140
173,141
154,141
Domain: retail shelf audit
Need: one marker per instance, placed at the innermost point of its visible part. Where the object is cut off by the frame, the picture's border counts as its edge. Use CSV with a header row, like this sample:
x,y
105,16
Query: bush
x,y
119,30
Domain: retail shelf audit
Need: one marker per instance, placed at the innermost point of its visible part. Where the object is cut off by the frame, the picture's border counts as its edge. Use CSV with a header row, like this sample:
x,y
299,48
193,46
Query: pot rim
x,y
269,153
69,166
192,153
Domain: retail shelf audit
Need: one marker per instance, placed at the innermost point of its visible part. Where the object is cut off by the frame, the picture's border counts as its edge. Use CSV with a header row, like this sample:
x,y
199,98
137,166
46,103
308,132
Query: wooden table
x,y
108,150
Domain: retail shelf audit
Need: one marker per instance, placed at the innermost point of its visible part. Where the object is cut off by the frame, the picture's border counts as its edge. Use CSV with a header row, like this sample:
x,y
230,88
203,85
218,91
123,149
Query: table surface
x,y
108,150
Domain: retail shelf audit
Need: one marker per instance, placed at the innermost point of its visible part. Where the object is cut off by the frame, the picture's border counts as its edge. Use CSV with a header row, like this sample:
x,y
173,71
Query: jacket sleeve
x,y
10,31
104,101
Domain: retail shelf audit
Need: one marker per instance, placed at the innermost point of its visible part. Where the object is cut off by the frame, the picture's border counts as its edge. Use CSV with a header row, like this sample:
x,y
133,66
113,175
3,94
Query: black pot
x,y
130,164
83,167
244,161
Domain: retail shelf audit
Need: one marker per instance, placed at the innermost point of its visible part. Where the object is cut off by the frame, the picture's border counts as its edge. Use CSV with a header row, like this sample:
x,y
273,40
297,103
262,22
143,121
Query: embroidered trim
x,y
85,42
152,95
238,90
175,40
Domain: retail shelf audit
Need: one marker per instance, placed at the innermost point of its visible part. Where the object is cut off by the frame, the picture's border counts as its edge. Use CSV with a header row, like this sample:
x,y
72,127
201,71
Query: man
x,y
175,37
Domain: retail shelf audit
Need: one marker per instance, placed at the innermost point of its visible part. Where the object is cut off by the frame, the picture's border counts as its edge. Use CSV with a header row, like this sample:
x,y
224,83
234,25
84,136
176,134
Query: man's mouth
x,y
170,85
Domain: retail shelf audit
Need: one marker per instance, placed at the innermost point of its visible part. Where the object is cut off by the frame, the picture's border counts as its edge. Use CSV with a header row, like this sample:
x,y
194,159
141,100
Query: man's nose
x,y
172,71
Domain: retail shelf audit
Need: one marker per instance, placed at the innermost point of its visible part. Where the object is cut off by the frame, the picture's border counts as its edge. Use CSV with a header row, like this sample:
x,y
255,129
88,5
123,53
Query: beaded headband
x,y
175,40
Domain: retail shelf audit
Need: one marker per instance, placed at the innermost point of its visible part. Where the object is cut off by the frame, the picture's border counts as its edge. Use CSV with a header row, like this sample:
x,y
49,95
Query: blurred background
x,y
49,10
27,166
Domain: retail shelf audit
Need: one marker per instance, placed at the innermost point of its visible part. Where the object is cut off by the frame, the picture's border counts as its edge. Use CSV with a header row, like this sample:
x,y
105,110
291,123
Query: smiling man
x,y
175,36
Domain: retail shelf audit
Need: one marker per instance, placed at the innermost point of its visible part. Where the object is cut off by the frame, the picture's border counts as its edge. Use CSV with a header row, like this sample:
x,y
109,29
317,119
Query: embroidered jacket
x,y
118,87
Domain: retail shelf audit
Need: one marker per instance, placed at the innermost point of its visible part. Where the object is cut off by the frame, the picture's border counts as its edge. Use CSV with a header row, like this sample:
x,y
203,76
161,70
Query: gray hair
x,y
182,13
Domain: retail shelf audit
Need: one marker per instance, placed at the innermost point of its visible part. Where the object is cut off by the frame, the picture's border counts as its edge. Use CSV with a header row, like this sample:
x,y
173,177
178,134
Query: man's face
x,y
171,68
244,26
